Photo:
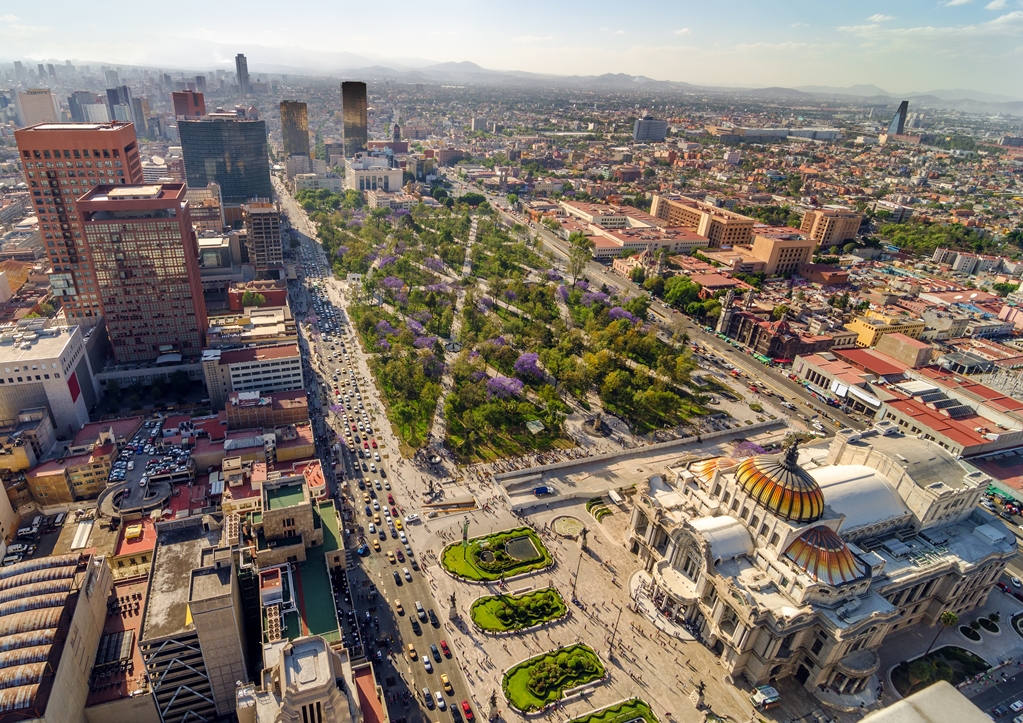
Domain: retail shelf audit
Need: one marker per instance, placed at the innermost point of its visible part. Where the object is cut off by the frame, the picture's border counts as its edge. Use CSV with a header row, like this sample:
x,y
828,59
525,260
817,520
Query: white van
x,y
10,560
58,521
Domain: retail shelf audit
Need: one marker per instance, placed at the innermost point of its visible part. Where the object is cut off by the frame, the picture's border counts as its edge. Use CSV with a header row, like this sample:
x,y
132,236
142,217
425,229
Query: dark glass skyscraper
x,y
228,150
355,120
898,124
241,66
294,128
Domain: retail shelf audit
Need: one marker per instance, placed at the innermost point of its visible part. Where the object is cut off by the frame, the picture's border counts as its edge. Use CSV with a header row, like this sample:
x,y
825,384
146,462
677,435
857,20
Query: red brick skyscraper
x,y
62,161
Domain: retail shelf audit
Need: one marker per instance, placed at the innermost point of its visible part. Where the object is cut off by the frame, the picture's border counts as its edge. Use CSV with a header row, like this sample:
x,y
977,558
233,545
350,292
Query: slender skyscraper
x,y
294,128
355,119
241,66
898,124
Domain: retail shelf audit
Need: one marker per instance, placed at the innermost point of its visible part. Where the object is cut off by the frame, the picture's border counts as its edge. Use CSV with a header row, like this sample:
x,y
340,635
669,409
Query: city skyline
x,y
912,47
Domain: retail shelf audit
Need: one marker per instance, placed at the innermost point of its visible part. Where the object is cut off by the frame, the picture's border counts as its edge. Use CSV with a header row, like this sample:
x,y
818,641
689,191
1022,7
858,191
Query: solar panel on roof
x,y
959,412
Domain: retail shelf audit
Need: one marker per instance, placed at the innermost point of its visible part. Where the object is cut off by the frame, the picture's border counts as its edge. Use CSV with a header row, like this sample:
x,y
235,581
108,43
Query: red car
x,y
374,444
467,710
399,554
445,649
1003,587
390,500
355,428
394,511
365,445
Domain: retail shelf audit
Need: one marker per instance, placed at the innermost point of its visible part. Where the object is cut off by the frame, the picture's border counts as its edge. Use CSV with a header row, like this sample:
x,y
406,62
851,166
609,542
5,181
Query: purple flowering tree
x,y
384,328
387,260
503,387
747,449
424,342
438,288
563,293
581,285
485,304
619,313
510,295
434,264
392,282
384,345
341,251
590,298
497,341
477,376
526,366
433,367
553,275
337,409
416,327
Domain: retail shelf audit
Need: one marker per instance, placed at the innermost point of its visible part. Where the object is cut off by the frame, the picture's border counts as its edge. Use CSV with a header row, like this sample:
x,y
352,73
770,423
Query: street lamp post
x,y
611,646
575,579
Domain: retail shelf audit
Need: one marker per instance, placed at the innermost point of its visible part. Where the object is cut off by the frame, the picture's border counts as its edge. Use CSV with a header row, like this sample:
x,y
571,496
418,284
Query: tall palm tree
x,y
947,620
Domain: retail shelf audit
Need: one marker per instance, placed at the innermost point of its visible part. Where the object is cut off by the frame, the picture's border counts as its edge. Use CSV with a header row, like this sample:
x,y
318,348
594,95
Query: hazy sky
x,y
902,47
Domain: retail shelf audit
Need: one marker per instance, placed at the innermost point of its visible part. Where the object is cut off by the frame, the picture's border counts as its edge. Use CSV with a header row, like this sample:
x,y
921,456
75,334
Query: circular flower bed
x,y
989,625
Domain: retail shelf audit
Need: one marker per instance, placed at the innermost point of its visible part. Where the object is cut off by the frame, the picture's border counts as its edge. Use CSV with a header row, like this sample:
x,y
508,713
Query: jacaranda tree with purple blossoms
x,y
504,387
526,366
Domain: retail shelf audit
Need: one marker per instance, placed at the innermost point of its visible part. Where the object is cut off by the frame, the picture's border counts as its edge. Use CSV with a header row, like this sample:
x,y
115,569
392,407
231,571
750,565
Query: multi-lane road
x,y
385,587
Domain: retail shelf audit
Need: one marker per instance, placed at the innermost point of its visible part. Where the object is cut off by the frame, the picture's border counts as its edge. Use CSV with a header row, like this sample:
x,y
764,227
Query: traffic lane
x,y
1005,694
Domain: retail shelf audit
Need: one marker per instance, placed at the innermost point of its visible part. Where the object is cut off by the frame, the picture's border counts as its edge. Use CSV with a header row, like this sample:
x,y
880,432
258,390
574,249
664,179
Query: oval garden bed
x,y
969,633
508,613
950,663
539,681
624,712
990,625
497,556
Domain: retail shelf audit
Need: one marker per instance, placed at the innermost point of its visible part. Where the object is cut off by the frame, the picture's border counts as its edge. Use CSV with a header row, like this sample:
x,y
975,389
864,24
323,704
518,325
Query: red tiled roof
x,y
872,361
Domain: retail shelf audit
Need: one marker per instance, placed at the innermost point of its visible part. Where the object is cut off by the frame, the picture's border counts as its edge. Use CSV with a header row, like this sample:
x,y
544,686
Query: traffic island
x,y
537,682
498,556
516,613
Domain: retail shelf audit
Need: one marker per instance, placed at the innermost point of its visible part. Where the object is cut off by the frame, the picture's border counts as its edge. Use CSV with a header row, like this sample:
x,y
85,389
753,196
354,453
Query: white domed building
x,y
800,563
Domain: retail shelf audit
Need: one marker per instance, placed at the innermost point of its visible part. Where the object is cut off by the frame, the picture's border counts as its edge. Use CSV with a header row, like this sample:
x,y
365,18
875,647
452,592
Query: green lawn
x,y
630,710
534,683
503,613
468,562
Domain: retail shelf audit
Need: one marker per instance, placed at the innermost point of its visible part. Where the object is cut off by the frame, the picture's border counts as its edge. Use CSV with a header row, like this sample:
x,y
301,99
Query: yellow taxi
x,y
390,558
398,608
446,684
412,652
376,544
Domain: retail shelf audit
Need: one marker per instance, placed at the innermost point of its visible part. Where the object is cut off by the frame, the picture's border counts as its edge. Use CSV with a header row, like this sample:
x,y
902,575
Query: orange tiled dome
x,y
705,468
777,483
823,554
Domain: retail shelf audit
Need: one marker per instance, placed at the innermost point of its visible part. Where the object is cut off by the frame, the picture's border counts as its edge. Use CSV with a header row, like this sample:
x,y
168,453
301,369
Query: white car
x,y
427,664
412,517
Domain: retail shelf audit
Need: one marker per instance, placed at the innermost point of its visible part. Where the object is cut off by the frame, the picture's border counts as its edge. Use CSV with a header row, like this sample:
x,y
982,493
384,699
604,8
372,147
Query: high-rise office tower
x,y
200,83
145,261
119,104
263,235
354,118
231,151
111,77
294,128
140,115
42,72
241,66
37,105
51,71
76,102
20,73
62,162
188,105
898,124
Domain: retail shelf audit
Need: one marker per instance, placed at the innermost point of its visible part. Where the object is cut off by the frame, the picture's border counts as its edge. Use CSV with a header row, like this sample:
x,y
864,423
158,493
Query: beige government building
x,y
801,563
